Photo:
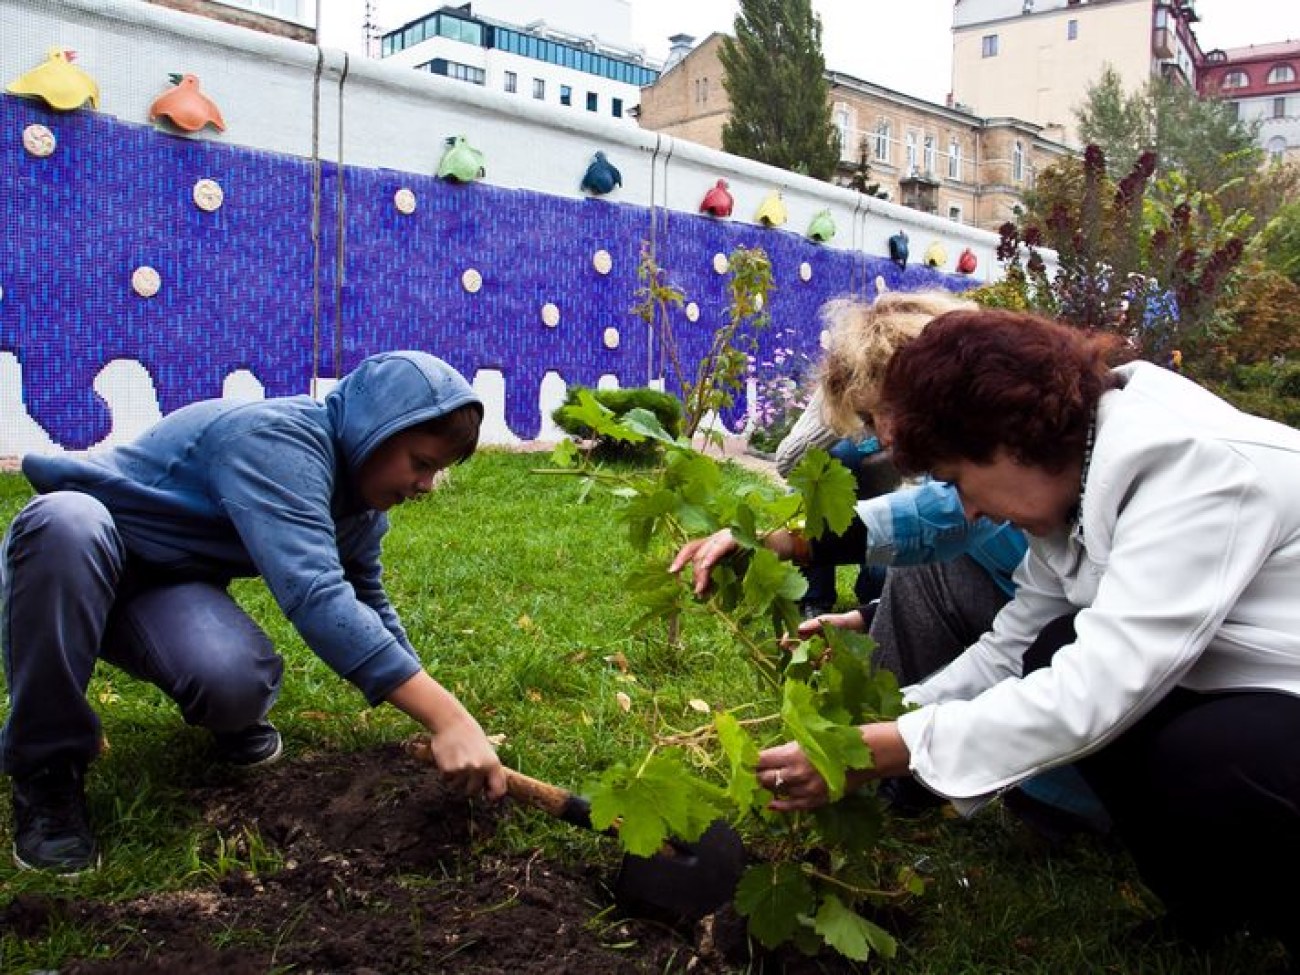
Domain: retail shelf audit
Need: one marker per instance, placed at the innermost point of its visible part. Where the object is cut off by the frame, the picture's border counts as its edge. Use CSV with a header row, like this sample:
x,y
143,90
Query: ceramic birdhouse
x,y
461,163
898,249
936,255
822,227
771,213
58,82
718,201
186,107
601,176
967,262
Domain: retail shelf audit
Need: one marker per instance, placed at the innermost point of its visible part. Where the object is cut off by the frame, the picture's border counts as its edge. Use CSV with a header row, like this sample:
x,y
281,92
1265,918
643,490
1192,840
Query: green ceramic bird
x,y
772,211
601,176
58,82
822,227
461,163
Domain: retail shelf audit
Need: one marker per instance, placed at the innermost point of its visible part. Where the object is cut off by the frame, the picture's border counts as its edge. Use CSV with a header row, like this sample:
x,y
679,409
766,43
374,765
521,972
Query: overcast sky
x,y
901,44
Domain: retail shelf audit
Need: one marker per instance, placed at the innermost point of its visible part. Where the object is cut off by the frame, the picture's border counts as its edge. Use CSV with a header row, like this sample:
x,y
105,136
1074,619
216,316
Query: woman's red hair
x,y
975,382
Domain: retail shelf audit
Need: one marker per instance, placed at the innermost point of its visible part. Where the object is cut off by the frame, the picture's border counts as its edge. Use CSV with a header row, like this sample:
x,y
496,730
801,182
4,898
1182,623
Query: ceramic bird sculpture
x,y
461,163
186,107
718,201
898,249
772,211
601,176
822,227
936,255
967,262
58,82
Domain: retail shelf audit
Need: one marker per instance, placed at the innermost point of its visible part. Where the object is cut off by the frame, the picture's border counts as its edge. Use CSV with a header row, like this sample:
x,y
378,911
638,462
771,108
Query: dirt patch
x,y
380,871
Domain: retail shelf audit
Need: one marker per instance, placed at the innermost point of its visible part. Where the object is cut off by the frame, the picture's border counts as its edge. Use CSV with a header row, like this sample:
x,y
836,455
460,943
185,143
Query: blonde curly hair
x,y
863,337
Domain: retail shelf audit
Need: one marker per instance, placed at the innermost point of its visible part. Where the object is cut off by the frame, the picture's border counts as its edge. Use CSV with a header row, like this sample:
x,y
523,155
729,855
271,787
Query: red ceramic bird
x,y
967,263
186,107
718,201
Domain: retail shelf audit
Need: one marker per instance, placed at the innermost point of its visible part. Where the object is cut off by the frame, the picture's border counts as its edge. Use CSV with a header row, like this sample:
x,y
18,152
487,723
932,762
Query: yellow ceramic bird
x,y
58,82
772,211
186,107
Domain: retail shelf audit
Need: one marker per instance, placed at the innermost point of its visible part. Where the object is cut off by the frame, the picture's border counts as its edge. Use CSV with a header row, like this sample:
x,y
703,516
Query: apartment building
x,y
933,158
1263,82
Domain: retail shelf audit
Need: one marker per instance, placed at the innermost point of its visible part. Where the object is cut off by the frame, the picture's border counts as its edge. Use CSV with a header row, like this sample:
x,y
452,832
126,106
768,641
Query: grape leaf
x,y
768,577
643,513
849,933
657,591
591,413
565,454
644,422
852,824
829,492
742,754
773,896
693,476
832,748
659,800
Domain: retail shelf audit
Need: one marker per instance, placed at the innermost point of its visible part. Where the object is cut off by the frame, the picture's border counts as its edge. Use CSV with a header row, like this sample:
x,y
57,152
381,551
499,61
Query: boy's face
x,y
403,467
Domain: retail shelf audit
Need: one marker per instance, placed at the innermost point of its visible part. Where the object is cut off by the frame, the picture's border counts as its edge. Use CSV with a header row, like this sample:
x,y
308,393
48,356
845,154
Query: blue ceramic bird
x,y
898,249
601,176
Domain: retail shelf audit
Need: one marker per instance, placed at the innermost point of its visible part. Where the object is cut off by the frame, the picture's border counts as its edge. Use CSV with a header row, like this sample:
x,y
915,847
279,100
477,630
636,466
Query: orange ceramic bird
x,y
717,201
186,107
58,82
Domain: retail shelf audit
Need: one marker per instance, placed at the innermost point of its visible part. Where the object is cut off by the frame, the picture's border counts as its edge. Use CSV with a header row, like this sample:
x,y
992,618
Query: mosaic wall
x,y
116,249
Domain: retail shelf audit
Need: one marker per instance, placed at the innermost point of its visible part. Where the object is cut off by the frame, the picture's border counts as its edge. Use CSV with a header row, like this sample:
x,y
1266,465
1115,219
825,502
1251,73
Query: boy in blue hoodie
x,y
126,556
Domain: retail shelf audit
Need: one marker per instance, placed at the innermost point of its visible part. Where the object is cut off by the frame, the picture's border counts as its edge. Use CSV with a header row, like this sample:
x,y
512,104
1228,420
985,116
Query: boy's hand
x,y
467,760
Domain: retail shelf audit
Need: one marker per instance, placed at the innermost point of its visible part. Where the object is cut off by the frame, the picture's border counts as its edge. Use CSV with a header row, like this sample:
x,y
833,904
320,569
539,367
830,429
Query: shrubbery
x,y
666,408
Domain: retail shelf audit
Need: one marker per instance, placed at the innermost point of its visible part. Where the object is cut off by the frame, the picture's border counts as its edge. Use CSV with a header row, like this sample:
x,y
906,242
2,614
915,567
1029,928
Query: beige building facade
x,y
929,157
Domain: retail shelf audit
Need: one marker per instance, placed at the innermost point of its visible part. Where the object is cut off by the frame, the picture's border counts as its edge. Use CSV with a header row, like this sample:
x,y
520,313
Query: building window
x,y
842,119
929,154
593,102
1018,161
954,159
954,213
512,82
882,140
1276,149
1071,30
616,107
1236,79
1279,108
704,90
453,69
566,95
911,152
539,88
989,46
1281,74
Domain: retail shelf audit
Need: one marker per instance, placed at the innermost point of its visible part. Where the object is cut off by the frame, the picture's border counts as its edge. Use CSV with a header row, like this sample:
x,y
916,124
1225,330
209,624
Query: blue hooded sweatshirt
x,y
222,489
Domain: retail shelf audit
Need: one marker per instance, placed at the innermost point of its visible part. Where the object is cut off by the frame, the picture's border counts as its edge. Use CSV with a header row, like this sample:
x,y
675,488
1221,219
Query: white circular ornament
x,y
550,314
611,338
692,312
471,281
208,195
404,200
805,271
145,281
721,264
602,262
39,141
825,338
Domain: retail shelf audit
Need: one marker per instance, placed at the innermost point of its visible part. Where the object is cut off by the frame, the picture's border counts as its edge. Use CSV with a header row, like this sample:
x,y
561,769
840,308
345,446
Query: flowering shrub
x,y
781,388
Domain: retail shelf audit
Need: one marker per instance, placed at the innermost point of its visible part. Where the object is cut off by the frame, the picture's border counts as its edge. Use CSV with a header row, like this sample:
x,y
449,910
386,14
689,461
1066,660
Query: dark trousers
x,y
1204,791
70,595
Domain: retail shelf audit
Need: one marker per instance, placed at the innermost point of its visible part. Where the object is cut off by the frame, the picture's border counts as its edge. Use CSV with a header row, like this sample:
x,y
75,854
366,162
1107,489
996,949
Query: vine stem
x,y
826,878
705,732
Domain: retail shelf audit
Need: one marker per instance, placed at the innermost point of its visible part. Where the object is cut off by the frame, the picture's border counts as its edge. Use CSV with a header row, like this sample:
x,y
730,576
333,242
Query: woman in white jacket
x,y
1170,523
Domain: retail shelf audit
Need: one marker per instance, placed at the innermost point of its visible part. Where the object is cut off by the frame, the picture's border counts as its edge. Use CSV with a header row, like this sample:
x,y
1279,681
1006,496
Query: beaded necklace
x,y
1076,515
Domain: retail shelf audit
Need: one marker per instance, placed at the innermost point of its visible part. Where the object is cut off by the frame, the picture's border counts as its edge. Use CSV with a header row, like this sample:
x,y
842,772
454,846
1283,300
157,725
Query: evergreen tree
x,y
775,73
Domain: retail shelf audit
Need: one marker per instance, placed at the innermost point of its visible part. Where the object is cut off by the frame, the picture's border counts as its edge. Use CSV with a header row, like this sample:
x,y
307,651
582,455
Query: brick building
x,y
295,19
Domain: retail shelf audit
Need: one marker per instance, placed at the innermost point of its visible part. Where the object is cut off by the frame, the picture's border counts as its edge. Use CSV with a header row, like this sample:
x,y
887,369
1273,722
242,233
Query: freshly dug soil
x,y
385,872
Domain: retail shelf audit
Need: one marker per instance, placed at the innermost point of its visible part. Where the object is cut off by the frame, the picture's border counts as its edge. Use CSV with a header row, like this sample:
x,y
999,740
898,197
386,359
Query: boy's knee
x,y
228,694
67,519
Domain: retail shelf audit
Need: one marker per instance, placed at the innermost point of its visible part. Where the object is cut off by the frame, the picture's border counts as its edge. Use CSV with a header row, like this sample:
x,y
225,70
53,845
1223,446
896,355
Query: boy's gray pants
x,y
70,594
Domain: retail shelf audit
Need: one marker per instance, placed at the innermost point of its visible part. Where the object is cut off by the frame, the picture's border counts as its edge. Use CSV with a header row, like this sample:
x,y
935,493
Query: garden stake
x,y
682,881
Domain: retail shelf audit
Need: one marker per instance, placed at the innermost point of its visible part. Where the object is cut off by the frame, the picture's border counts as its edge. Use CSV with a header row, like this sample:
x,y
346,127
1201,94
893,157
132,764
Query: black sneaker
x,y
51,825
256,745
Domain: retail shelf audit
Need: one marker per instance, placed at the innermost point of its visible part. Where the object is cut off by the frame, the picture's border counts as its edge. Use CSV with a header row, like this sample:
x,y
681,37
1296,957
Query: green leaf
x,y
657,591
768,577
773,896
643,514
591,413
566,454
742,754
696,478
849,933
659,800
829,492
851,825
644,422
832,748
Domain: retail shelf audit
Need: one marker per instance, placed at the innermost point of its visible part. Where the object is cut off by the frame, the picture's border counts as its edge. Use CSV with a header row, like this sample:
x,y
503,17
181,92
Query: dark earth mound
x,y
380,870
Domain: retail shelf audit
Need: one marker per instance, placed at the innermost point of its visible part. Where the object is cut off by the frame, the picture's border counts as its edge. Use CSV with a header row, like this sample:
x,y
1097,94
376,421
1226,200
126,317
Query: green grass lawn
x,y
511,591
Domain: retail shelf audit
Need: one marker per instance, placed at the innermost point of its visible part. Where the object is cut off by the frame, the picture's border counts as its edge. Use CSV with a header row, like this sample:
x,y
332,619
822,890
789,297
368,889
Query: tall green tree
x,y
1200,137
776,76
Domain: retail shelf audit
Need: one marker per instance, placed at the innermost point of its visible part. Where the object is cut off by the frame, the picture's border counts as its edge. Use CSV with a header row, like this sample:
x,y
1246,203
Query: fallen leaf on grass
x,y
624,701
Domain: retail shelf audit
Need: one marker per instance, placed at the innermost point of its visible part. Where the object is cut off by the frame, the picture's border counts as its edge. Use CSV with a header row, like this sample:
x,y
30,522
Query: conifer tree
x,y
775,75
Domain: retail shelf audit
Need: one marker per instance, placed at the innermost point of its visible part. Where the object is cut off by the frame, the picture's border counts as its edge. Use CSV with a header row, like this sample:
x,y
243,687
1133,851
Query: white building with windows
x,y
576,56
1263,82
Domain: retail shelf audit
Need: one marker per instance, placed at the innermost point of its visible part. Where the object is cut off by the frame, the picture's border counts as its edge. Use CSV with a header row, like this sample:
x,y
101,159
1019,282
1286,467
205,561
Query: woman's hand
x,y
704,554
786,772
852,620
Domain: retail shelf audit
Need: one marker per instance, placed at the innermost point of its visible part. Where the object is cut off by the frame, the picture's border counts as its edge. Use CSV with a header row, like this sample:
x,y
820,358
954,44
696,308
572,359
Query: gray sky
x,y
901,44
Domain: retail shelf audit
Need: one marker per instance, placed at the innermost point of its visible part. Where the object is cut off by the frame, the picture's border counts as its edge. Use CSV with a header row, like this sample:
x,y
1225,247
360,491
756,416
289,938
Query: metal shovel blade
x,y
683,880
